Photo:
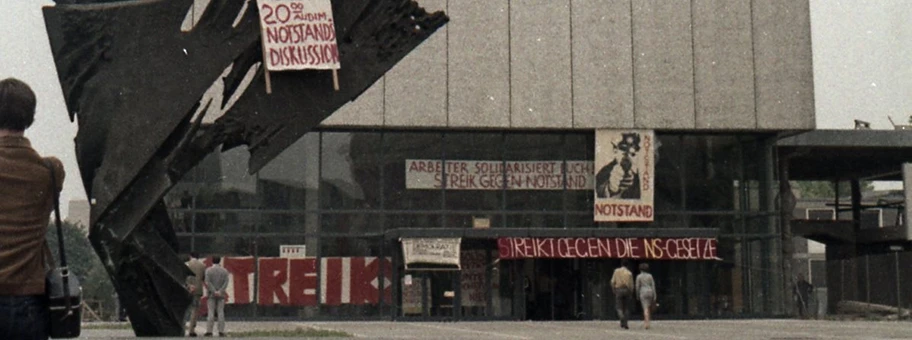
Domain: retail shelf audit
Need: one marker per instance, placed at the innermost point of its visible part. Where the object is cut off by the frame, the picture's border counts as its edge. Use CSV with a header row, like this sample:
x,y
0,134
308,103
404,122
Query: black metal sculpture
x,y
135,82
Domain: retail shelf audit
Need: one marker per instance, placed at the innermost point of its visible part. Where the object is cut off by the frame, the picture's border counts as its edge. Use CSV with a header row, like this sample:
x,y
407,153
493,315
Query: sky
x,y
862,52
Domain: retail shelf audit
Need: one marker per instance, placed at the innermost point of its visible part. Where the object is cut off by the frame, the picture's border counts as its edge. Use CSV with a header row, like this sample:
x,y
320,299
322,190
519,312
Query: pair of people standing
x,y
215,279
625,288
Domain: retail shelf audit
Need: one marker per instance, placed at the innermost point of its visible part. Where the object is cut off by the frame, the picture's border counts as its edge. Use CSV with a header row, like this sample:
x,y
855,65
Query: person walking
x,y
646,292
622,286
216,278
195,286
26,202
802,292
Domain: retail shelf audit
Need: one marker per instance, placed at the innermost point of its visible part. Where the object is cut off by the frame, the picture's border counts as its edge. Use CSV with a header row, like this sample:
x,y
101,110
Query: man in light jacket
x,y
622,285
195,286
216,283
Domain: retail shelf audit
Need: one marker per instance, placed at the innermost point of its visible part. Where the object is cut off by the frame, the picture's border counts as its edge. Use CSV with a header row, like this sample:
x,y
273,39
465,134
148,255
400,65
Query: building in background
x,y
519,88
78,213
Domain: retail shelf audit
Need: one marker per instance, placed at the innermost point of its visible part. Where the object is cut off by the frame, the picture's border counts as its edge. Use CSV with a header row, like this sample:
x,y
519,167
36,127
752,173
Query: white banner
x,y
490,175
298,34
297,251
624,181
441,251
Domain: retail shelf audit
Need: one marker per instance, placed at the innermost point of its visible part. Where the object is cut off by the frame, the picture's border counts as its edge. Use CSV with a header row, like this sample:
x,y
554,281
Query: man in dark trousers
x,y
802,292
622,286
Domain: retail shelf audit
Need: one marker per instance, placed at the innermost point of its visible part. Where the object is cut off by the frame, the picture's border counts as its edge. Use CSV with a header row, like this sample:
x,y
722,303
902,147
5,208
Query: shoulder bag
x,y
64,294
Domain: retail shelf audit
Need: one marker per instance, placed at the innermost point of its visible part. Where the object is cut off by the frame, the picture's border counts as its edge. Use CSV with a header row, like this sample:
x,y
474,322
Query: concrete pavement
x,y
672,330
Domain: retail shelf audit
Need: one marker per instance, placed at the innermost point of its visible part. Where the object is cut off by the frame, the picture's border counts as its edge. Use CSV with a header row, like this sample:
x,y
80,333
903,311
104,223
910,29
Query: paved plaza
x,y
696,329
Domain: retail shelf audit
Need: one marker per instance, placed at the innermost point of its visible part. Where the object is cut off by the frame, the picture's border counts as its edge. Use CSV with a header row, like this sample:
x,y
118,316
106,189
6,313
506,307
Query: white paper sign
x,y
442,251
298,34
472,278
293,251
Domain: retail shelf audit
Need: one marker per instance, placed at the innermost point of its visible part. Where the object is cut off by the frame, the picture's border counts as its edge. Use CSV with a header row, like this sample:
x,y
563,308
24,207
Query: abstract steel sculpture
x,y
136,81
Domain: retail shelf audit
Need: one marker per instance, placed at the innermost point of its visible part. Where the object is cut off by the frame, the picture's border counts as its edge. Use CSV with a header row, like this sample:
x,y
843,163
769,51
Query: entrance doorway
x,y
555,289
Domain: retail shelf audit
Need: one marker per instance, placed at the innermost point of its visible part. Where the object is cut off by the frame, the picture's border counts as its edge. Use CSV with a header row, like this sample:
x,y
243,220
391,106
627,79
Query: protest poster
x,y
472,278
625,174
497,175
298,35
431,251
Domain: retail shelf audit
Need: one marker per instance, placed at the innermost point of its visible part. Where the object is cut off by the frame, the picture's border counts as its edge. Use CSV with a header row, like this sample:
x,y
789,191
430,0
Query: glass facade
x,y
343,196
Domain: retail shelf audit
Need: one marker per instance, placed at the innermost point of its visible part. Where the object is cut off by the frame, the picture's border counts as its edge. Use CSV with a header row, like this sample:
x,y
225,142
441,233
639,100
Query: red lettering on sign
x,y
302,288
241,269
365,283
332,276
273,274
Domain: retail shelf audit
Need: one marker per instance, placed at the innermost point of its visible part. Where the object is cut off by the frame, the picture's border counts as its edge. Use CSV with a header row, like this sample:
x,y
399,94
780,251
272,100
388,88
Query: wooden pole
x,y
336,79
268,80
265,65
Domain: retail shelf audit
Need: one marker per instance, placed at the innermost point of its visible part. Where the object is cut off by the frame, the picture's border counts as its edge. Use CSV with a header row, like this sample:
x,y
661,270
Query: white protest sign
x,y
298,35
442,251
472,278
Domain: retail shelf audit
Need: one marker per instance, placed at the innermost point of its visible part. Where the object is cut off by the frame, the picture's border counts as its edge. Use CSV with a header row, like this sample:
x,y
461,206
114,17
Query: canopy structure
x,y
847,155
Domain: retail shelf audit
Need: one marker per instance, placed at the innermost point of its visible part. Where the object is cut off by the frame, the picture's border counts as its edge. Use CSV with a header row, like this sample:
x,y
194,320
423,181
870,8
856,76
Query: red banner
x,y
294,281
691,248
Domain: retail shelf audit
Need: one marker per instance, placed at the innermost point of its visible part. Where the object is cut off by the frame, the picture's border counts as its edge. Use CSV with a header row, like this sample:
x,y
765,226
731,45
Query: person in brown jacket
x,y
26,202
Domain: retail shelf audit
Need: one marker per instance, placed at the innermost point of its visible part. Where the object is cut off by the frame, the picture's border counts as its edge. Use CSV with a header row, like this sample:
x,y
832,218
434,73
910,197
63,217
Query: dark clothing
x,y
623,301
803,290
23,317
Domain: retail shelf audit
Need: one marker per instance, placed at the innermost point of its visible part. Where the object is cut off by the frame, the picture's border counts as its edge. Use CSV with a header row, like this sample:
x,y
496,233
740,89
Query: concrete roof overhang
x,y
846,154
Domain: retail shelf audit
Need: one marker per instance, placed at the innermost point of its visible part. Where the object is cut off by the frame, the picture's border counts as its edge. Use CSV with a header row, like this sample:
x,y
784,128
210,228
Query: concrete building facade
x,y
525,81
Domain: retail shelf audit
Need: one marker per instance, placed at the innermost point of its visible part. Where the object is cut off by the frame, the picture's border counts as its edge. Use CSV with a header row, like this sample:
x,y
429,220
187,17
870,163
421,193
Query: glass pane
x,y
350,246
723,223
476,171
291,180
535,221
269,245
582,220
286,222
580,153
481,221
713,165
413,221
225,245
670,173
350,170
411,171
354,224
542,185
